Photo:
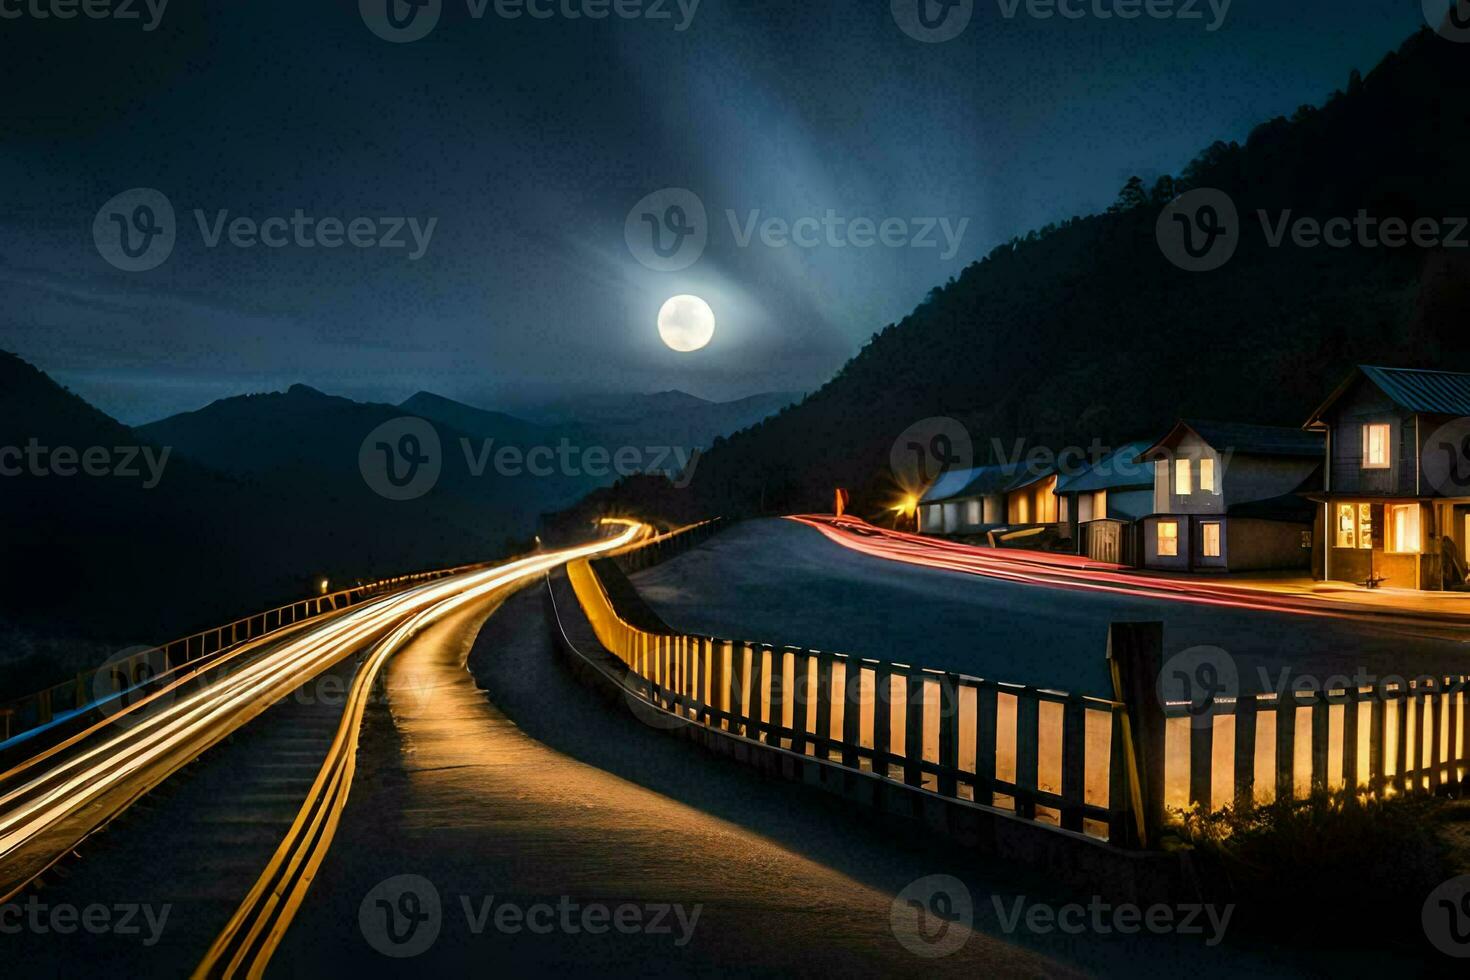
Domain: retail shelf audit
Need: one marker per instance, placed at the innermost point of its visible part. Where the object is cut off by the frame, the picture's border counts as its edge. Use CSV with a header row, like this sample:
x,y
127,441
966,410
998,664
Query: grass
x,y
1333,864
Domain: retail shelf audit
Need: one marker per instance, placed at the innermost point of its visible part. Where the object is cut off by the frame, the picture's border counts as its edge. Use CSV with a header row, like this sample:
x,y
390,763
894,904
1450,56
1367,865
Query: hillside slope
x,y
1086,331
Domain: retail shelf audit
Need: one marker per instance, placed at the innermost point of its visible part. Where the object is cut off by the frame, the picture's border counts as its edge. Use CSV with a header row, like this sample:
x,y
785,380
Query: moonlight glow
x,y
686,323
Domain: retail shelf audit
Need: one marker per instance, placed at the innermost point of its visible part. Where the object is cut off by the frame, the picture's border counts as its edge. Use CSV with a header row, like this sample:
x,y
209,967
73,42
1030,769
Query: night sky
x,y
528,141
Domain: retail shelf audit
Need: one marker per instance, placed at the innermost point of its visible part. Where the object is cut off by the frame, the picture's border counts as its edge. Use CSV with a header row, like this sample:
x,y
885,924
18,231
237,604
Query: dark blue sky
x,y
528,141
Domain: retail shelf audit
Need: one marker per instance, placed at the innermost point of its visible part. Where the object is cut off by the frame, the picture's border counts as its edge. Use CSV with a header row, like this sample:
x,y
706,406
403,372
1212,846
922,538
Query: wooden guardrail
x,y
1048,756
87,687
1383,739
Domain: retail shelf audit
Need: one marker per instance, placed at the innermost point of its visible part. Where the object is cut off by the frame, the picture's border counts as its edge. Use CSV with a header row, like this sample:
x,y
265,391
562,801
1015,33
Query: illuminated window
x,y
1403,528
1207,476
972,512
1375,446
1168,539
1210,540
1182,486
1354,526
1100,504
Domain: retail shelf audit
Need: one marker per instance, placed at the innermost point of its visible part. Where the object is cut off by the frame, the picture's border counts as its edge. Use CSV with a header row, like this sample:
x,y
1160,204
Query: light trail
x,y
1083,574
250,938
132,761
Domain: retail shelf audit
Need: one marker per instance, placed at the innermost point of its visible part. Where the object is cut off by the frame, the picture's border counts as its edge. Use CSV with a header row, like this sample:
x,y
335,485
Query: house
x,y
1395,501
975,501
1227,497
1102,503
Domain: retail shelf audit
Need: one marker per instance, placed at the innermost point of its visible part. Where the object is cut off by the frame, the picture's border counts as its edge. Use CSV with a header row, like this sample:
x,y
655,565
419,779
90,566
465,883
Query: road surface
x,y
781,582
518,784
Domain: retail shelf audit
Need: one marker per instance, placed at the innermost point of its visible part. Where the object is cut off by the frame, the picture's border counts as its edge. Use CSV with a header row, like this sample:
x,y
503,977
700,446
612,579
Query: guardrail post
x,y
1245,750
1377,767
913,729
1028,726
1286,735
779,695
852,710
824,704
882,717
986,710
1136,657
1350,739
1074,761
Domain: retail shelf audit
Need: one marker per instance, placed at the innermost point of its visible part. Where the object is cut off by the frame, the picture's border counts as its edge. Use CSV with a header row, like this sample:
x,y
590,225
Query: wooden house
x,y
1230,497
1395,503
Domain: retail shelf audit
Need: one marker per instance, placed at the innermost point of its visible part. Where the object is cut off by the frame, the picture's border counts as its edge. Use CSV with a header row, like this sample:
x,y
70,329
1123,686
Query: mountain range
x,y
247,502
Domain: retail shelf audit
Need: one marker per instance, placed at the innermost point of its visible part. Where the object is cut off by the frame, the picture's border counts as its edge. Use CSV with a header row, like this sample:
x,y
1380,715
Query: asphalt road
x,y
511,785
780,582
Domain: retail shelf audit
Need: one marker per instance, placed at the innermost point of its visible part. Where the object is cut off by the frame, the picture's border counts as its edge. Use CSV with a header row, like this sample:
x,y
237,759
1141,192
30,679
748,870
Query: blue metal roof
x,y
1240,437
1113,472
1412,389
979,481
1427,392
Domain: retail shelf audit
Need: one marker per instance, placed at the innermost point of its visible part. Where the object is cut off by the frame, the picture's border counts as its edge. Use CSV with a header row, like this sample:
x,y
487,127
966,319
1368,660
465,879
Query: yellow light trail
x,y
256,929
34,804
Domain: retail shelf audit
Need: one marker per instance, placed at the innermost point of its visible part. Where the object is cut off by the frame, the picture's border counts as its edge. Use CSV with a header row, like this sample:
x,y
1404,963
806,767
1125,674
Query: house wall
x,y
964,515
1257,545
1361,405
1166,501
1399,571
1036,504
1150,551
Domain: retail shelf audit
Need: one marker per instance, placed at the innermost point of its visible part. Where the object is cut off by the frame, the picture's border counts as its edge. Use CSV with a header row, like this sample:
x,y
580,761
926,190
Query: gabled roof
x,y
980,481
1412,389
1116,471
1241,437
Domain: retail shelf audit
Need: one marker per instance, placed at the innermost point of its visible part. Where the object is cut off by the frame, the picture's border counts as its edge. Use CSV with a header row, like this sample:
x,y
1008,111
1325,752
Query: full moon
x,y
686,323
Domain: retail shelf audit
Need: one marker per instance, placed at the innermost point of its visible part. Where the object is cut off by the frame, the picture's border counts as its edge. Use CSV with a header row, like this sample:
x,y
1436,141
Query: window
x,y
1354,526
1207,476
1100,505
1182,486
1168,539
972,512
1210,540
1375,446
935,519
1403,528
1062,510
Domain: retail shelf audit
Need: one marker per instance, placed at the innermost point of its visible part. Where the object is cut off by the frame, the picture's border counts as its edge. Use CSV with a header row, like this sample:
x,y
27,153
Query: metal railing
x,y
1044,755
90,686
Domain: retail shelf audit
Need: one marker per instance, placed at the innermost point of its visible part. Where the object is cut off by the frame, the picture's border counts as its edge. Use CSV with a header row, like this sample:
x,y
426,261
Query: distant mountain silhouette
x,y
259,498
478,422
666,418
1085,330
